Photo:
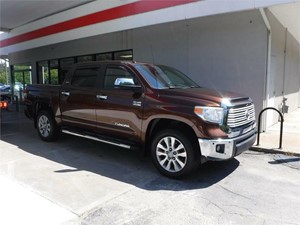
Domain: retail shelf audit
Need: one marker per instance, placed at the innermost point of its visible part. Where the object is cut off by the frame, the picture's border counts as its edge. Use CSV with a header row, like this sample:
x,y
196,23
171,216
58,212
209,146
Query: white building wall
x,y
139,13
275,85
224,52
292,73
284,80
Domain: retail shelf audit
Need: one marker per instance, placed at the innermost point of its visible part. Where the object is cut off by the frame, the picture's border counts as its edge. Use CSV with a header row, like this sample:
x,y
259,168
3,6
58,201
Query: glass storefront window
x,y
21,77
54,76
123,55
85,58
67,62
65,65
48,72
54,71
104,56
22,67
43,70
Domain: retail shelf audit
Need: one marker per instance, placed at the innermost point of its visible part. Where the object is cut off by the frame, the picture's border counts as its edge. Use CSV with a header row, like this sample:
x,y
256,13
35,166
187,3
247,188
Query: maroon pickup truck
x,y
154,108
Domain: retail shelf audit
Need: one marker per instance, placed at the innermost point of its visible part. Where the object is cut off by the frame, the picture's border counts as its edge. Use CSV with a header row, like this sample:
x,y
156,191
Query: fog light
x,y
220,148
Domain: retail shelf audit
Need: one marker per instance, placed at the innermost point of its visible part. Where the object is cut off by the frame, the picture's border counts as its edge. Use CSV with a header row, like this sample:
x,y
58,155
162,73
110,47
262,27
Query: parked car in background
x,y
5,89
5,93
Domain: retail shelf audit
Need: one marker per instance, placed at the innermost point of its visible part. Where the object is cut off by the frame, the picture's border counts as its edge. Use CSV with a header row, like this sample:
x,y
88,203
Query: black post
x,y
281,125
17,103
281,128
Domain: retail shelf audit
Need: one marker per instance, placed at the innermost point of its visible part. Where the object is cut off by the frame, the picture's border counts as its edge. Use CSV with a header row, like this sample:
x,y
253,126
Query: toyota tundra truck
x,y
154,108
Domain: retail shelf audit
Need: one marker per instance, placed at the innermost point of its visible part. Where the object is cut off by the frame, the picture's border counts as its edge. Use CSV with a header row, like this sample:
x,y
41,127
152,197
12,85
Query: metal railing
x,y
281,125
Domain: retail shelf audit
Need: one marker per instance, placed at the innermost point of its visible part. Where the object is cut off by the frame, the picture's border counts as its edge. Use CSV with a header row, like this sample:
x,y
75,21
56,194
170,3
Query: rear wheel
x,y
46,126
173,154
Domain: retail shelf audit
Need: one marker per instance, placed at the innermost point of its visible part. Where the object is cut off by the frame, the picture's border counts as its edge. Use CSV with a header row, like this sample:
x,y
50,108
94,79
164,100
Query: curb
x,y
273,151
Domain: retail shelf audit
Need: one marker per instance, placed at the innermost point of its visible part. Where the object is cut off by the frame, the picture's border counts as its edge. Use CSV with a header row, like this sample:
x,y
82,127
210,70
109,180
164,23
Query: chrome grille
x,y
239,116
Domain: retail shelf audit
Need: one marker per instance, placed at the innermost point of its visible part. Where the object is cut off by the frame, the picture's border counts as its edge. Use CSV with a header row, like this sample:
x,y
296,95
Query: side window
x,y
85,77
116,76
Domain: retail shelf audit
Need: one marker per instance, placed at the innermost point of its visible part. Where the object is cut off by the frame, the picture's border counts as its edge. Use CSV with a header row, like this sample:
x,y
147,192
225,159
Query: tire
x,y
173,154
46,126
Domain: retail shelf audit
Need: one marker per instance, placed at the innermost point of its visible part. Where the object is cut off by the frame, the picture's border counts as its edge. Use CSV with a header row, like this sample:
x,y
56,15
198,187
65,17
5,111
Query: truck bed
x,y
46,94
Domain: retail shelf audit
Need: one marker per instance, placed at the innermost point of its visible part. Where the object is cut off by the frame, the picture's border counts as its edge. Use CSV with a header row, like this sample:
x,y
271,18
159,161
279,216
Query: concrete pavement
x,y
22,205
77,181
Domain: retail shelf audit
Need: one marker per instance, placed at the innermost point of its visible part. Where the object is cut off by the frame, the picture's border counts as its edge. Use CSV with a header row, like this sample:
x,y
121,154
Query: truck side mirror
x,y
127,84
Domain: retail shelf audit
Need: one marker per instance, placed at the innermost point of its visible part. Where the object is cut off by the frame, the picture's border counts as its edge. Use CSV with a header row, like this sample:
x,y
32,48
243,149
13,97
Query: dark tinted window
x,y
104,56
85,77
85,58
116,76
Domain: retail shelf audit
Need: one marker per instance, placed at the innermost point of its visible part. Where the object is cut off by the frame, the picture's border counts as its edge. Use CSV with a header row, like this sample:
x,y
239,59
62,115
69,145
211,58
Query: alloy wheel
x,y
171,154
44,126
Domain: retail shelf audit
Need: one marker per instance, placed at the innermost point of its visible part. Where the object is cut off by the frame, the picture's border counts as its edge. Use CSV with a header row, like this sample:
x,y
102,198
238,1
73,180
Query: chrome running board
x,y
97,139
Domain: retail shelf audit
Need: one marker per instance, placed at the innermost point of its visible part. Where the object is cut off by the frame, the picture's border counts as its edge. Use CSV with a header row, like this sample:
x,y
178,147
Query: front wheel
x,y
173,154
46,126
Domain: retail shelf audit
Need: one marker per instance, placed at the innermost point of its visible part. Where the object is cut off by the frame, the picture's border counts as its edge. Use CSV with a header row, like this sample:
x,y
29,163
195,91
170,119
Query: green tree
x,y
3,76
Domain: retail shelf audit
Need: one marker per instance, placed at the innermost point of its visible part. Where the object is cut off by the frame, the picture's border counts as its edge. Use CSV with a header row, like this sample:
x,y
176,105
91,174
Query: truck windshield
x,y
162,77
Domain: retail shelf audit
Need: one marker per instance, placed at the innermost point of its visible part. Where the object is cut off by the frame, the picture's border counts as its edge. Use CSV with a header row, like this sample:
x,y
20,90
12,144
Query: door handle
x,y
101,97
65,93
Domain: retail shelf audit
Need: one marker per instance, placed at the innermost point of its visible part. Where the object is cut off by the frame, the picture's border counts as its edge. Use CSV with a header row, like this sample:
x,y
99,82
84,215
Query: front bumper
x,y
223,149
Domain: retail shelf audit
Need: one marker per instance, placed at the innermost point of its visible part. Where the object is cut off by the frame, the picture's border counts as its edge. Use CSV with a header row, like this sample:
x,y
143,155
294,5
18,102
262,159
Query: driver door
x,y
118,109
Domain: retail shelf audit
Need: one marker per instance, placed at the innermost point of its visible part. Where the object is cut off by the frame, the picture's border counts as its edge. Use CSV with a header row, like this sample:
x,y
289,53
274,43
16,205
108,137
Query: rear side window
x,y
85,77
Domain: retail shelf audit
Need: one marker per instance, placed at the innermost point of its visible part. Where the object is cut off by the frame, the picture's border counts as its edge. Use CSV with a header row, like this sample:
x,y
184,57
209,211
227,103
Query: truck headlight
x,y
210,114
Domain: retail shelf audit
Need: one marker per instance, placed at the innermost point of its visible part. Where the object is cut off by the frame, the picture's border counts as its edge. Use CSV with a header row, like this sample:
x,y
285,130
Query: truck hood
x,y
205,95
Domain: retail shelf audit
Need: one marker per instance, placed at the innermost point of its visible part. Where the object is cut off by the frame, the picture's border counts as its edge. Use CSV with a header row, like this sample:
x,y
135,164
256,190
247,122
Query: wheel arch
x,y
39,106
159,124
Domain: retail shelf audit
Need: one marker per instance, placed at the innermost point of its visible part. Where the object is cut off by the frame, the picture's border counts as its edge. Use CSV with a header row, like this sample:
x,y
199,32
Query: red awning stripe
x,y
135,8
